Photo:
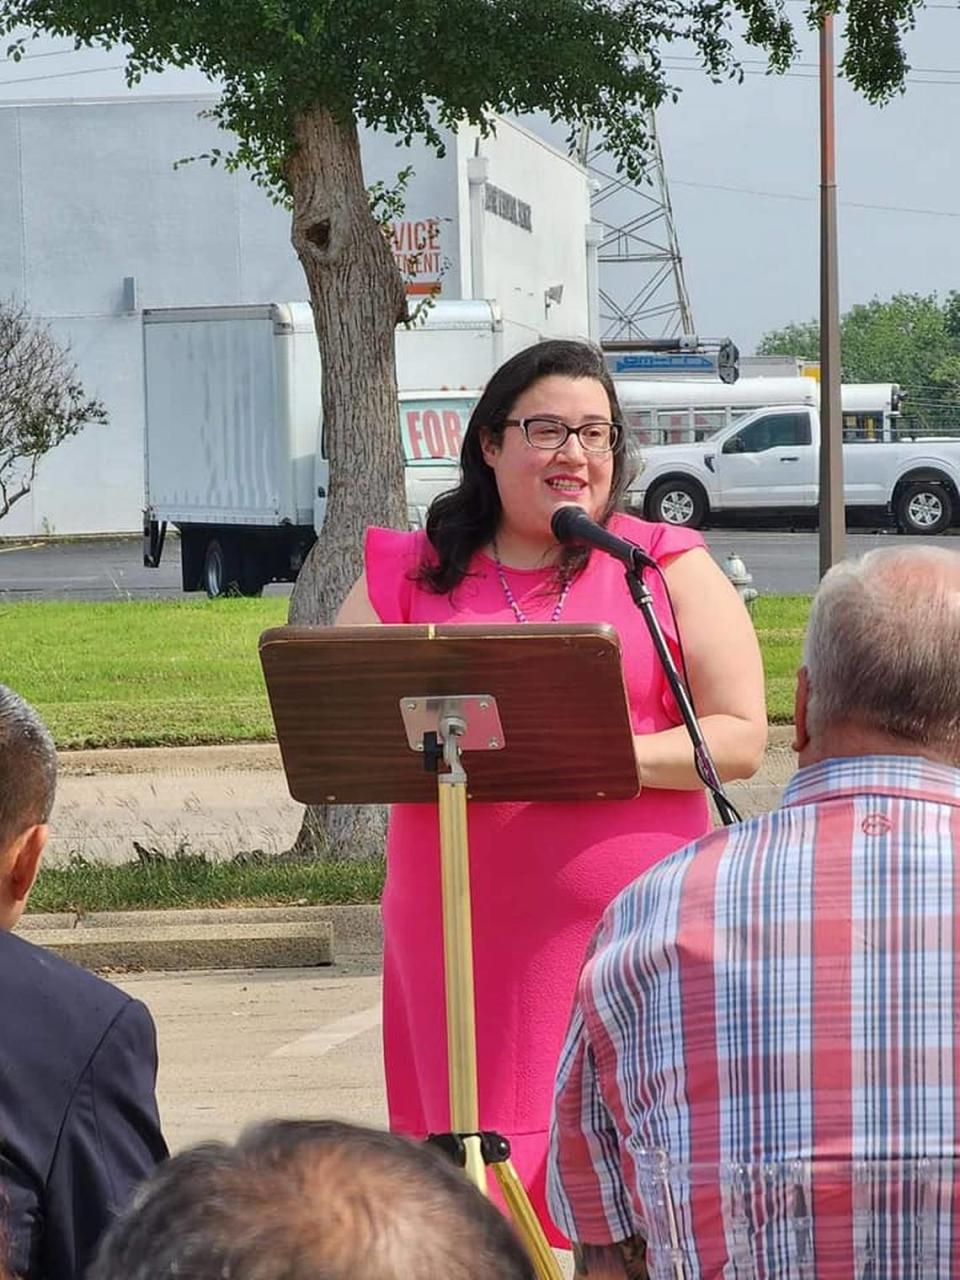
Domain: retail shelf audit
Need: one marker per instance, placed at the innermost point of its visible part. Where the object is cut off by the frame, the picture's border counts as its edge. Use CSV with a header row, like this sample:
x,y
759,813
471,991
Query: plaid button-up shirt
x,y
785,990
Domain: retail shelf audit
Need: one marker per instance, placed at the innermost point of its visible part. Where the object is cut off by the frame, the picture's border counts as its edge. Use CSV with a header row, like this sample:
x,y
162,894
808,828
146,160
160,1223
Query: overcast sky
x,y
743,167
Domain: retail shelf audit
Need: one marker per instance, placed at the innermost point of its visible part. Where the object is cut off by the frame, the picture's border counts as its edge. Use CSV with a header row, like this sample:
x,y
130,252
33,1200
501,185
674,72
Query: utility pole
x,y
832,516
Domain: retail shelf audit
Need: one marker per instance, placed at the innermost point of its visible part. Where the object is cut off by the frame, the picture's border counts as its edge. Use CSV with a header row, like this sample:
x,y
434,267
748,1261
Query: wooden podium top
x,y
336,698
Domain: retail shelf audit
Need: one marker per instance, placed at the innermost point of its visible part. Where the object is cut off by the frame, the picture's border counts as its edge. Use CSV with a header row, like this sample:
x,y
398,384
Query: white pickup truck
x,y
769,461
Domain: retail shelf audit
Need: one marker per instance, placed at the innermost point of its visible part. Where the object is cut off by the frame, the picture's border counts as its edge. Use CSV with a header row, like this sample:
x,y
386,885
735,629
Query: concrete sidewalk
x,y
212,938
221,801
216,801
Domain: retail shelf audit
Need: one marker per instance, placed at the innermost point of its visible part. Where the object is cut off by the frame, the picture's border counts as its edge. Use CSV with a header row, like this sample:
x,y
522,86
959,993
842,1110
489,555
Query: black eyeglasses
x,y
553,433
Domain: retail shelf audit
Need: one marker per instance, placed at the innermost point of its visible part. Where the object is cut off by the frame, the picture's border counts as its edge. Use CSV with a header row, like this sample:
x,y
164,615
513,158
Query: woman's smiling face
x,y
531,482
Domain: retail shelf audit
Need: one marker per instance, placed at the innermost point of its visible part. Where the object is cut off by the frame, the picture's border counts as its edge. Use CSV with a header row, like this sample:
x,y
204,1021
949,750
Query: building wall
x,y
94,197
431,209
520,264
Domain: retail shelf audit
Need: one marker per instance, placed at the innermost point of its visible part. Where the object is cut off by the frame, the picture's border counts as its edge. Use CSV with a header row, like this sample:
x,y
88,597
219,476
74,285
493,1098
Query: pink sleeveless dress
x,y
541,873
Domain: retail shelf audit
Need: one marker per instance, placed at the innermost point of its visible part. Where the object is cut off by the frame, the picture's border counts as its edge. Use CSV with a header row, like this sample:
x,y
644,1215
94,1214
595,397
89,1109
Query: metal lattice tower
x,y
643,293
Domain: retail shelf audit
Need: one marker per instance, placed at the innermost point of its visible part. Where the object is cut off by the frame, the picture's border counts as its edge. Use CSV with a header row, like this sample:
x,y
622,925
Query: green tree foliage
x,y
403,65
912,339
800,339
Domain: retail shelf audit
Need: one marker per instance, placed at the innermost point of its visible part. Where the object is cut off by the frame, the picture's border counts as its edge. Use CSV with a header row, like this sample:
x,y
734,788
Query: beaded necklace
x,y
511,598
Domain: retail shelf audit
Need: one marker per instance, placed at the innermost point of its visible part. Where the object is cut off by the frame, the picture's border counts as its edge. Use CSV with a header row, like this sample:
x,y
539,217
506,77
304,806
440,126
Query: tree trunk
x,y
358,299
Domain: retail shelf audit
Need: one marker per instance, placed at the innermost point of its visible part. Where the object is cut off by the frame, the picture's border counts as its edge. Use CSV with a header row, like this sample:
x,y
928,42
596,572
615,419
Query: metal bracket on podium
x,y
442,727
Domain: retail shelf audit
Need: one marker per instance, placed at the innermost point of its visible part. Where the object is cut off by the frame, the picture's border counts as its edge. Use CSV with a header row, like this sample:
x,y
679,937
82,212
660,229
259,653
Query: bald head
x,y
882,653
312,1200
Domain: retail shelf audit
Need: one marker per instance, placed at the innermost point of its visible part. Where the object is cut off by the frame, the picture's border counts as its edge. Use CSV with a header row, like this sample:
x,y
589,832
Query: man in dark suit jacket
x,y
78,1114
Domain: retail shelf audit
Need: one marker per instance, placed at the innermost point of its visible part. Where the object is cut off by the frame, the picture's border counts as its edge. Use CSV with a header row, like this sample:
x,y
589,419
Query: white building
x,y
96,224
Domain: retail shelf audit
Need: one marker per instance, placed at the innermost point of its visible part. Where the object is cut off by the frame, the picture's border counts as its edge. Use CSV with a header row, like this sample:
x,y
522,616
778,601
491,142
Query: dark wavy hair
x,y
466,518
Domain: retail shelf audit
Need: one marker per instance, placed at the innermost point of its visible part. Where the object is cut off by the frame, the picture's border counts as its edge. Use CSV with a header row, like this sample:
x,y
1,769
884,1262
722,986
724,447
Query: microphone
x,y
571,523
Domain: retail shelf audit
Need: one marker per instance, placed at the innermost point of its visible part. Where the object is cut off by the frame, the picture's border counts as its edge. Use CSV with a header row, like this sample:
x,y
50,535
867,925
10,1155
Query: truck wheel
x,y
221,570
252,569
193,546
678,502
924,507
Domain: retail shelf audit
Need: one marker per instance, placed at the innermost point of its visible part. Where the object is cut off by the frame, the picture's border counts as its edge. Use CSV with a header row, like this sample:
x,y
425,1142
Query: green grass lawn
x,y
194,882
780,622
171,672
140,673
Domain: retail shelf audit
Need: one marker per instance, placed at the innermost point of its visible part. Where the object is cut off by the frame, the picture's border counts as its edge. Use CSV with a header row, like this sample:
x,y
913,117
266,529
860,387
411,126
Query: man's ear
x,y
22,870
801,701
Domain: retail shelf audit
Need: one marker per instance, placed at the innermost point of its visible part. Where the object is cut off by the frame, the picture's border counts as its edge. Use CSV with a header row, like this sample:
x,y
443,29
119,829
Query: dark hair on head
x,y
28,767
462,521
311,1200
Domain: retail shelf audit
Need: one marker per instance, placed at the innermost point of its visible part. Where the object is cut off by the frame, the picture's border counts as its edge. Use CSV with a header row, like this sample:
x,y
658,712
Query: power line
x,y
788,195
691,64
692,58
63,75
51,53
794,195
954,7
798,75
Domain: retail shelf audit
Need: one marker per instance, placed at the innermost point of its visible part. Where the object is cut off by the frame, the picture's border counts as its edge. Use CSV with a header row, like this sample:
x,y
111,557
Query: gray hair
x,y
311,1200
28,767
883,647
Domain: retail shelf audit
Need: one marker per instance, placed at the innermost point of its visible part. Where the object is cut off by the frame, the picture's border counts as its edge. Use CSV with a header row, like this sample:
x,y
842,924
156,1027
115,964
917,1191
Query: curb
x,y
245,756
214,938
166,947
97,761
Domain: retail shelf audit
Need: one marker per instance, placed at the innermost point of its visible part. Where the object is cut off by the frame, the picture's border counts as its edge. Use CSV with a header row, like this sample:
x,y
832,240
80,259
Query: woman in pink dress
x,y
545,432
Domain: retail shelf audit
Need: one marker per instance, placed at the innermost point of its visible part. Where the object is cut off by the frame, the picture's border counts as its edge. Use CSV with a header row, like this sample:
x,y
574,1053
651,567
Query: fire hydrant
x,y
736,571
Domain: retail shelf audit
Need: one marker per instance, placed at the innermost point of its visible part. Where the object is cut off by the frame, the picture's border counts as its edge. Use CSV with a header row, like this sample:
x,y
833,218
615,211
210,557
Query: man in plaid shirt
x,y
762,1072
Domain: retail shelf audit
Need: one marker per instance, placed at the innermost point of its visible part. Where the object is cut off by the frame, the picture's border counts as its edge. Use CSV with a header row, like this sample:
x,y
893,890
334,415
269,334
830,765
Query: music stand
x,y
384,715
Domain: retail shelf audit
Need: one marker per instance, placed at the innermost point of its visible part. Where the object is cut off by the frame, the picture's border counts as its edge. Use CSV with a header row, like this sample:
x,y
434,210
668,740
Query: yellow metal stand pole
x,y
461,1017
458,972
528,1226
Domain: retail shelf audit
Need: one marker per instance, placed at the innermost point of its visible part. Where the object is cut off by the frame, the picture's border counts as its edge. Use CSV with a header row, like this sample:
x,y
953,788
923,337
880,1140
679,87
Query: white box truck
x,y
234,432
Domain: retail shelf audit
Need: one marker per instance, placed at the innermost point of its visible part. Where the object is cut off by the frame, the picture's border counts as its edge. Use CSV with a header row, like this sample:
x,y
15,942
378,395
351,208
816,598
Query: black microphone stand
x,y
701,752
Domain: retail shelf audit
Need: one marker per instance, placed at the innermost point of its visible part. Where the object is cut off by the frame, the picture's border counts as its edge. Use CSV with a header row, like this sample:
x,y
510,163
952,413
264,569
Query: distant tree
x,y
42,402
800,339
912,339
951,310
907,334
298,77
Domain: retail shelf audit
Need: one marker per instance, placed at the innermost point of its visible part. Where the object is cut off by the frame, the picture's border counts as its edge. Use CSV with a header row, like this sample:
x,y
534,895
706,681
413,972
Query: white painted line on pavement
x,y
316,1043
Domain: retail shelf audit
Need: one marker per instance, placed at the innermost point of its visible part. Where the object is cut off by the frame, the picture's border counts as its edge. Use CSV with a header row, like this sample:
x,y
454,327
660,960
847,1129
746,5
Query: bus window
x,y
675,427
707,422
640,425
861,428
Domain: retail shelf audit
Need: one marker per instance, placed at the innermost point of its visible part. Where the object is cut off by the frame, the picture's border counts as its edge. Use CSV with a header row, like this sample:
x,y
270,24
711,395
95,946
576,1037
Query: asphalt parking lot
x,y
112,568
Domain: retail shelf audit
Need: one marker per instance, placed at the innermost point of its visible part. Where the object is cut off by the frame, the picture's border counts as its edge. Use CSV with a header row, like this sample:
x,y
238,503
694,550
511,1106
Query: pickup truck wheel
x,y
924,507
221,572
678,502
